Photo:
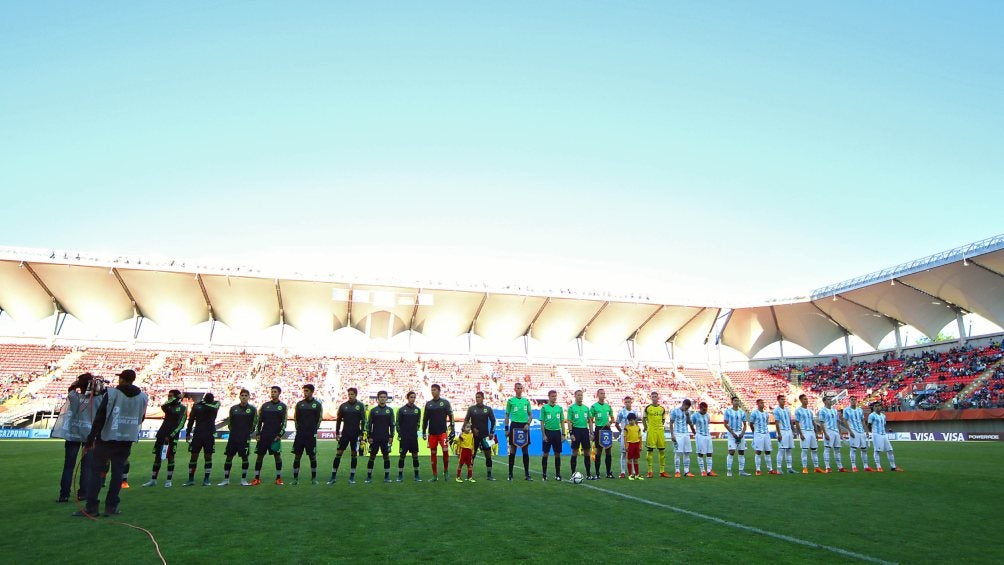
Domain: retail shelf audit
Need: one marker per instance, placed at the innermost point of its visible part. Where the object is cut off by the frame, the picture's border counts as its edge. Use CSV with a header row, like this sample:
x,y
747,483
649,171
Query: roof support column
x,y
137,322
899,341
962,327
847,348
58,327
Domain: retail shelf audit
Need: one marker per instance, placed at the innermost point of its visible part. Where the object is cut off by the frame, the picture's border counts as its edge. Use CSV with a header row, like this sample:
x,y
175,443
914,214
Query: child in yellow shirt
x,y
632,442
466,445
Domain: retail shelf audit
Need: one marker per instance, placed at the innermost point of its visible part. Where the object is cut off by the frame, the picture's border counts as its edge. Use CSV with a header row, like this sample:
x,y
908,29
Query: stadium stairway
x,y
153,367
66,362
976,383
570,381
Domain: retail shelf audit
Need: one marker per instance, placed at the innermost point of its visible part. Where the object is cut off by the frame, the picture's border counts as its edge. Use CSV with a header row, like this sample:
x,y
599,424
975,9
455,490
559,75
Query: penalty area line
x,y
730,524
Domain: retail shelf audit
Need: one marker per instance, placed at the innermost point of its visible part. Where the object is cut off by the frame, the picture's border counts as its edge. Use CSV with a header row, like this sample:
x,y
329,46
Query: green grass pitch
x,y
945,507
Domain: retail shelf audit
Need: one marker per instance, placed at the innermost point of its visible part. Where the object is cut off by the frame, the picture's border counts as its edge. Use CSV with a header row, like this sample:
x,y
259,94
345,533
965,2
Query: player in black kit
x,y
241,423
307,415
348,431
380,434
436,429
408,417
482,419
271,427
167,436
203,418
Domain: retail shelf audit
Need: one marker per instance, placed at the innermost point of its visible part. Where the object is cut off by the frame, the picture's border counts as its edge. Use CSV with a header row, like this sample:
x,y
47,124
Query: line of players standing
x,y
587,428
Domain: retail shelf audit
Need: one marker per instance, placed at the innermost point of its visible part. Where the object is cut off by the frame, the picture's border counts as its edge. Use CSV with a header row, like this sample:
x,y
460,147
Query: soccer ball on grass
x,y
576,477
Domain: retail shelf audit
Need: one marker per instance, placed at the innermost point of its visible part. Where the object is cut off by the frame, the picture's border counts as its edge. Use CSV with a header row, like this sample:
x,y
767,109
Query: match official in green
x,y
517,416
552,431
602,414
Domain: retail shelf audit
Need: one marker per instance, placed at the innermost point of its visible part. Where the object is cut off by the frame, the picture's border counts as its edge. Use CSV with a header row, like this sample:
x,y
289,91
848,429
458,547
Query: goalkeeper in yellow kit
x,y
655,438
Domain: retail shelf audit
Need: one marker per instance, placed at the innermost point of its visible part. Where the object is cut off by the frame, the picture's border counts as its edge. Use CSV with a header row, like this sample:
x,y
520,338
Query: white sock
x,y
756,461
742,461
826,457
892,460
707,463
854,458
805,458
676,461
686,462
840,463
815,459
878,460
780,458
728,463
700,463
766,459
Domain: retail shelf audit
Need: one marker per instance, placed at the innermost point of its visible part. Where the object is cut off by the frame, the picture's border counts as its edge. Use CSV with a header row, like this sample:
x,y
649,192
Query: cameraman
x,y
74,425
116,427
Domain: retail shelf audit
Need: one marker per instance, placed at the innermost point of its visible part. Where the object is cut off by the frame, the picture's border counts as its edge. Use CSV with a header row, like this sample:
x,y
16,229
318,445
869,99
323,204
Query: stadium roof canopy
x,y
926,294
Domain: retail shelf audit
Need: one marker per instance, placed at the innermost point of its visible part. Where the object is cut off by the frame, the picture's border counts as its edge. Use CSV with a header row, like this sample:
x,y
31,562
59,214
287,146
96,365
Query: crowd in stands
x,y
924,380
988,395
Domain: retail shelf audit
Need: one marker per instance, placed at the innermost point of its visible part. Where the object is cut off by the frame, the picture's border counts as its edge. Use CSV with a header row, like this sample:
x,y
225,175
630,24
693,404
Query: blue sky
x,y
685,149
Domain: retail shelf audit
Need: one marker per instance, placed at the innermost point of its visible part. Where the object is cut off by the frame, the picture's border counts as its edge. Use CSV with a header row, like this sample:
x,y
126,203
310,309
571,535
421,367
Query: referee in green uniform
x,y
517,415
552,418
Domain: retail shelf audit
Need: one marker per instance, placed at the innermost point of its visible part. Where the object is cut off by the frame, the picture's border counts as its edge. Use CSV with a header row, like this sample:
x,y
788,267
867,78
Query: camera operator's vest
x,y
123,416
74,423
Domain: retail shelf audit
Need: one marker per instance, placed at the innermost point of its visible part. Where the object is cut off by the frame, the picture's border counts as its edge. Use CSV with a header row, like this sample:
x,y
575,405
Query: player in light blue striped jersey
x,y
805,429
735,423
880,439
702,436
760,423
830,419
680,428
785,438
854,420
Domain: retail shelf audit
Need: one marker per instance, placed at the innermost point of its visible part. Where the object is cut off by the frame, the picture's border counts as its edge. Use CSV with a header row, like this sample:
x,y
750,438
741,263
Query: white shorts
x,y
761,442
786,440
809,442
859,440
704,445
683,444
831,439
737,445
880,442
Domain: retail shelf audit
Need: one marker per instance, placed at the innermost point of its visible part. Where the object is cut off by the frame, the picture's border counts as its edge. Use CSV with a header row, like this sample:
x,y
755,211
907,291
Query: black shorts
x,y
522,425
306,443
408,444
238,447
172,448
580,438
552,441
381,445
265,447
199,443
596,438
481,443
345,441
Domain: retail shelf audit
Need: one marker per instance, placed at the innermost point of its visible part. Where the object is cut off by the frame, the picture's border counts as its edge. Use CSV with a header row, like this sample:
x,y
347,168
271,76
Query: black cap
x,y
208,397
128,374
